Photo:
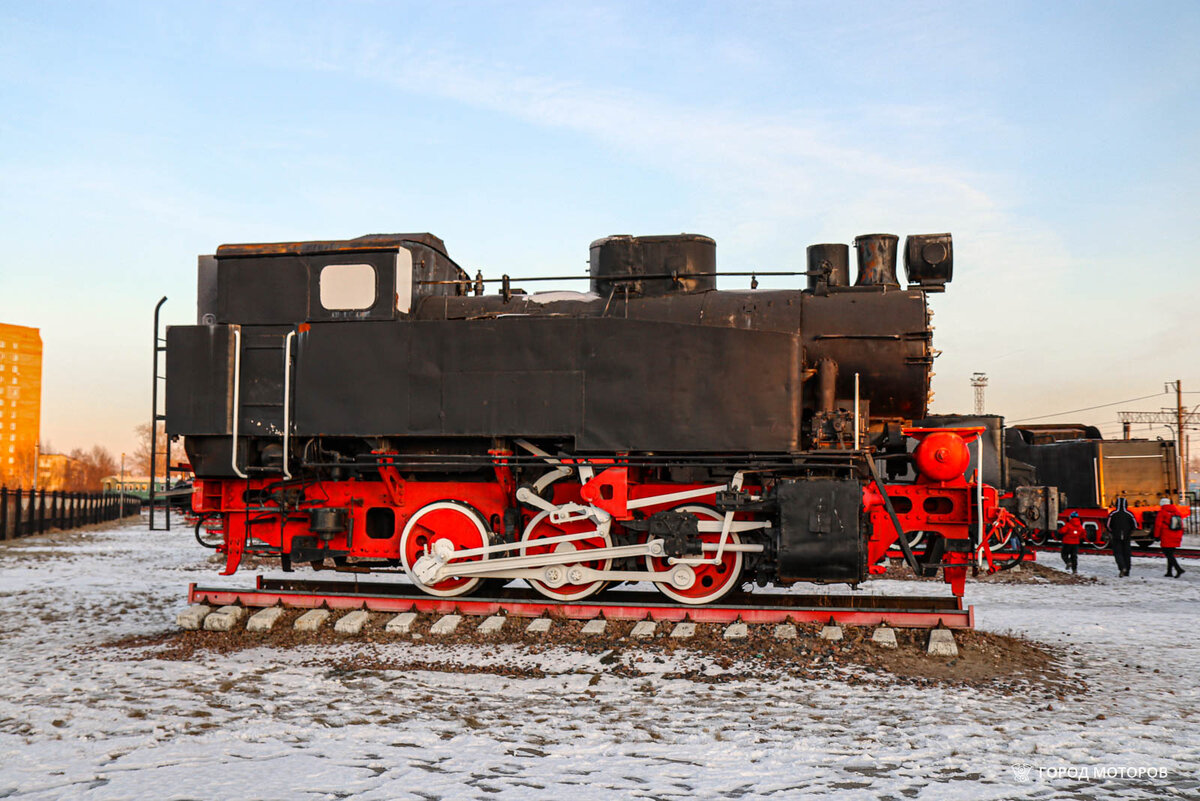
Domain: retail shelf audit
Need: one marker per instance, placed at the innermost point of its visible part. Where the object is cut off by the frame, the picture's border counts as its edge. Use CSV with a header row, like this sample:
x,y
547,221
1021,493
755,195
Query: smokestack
x,y
876,260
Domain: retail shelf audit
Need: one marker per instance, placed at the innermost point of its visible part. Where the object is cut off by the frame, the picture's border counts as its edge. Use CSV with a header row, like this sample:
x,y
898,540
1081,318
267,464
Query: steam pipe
x,y
856,442
827,370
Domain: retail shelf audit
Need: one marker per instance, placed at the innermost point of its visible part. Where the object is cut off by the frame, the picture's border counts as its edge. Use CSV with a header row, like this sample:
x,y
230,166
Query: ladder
x,y
156,416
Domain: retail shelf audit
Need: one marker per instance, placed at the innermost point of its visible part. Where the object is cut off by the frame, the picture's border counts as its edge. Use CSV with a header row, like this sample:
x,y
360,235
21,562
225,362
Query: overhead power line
x,y
1088,408
1167,417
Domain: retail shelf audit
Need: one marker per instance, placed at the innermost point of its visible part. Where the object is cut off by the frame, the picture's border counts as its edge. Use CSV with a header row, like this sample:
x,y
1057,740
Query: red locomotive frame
x,y
965,516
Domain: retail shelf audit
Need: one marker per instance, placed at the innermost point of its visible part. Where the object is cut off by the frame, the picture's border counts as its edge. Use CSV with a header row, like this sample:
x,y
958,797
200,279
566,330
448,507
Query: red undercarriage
x,y
380,514
264,531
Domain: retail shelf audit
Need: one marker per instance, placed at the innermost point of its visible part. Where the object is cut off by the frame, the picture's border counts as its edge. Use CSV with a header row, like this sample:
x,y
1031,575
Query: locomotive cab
x,y
378,277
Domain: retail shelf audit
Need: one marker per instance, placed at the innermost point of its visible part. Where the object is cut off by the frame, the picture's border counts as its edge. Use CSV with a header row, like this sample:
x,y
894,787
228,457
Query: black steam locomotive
x,y
364,405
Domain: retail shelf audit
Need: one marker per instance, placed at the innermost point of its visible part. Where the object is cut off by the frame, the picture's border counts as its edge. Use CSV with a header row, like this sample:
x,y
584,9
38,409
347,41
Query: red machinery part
x,y
942,456
941,502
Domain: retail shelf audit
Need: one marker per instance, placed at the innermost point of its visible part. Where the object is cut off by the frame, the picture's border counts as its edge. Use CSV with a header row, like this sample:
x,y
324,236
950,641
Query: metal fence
x,y
25,512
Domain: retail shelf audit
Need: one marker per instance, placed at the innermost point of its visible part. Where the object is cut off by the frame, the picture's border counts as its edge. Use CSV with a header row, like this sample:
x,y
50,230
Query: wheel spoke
x,y
454,523
558,584
712,581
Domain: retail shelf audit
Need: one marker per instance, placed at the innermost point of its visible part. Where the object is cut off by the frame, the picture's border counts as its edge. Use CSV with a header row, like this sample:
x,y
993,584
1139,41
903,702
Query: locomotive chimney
x,y
876,260
832,261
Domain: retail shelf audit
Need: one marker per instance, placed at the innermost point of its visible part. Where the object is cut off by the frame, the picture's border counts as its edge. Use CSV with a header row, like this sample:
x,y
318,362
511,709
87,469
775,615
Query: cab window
x,y
347,287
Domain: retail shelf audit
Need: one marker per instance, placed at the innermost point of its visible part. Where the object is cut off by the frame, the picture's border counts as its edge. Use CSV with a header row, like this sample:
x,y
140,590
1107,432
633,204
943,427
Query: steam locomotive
x,y
366,405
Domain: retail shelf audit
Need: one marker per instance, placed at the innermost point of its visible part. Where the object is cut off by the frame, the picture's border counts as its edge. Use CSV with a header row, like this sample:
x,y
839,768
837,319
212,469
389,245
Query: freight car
x,y
1093,472
364,405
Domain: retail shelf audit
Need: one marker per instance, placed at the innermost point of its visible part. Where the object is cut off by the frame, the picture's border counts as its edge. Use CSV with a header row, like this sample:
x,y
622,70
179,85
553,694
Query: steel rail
x,y
1157,553
917,612
1030,556
997,556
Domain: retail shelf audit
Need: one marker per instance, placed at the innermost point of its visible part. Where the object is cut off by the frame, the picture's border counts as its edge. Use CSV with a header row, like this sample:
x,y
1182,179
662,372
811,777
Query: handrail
x,y
287,398
237,386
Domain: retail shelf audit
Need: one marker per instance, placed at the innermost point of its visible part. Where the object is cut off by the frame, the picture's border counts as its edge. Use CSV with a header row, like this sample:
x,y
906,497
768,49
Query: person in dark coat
x,y
1121,524
1072,535
1168,528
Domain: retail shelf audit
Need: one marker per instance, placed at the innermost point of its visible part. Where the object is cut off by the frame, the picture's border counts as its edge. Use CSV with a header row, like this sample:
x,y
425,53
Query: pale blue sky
x,y
1059,142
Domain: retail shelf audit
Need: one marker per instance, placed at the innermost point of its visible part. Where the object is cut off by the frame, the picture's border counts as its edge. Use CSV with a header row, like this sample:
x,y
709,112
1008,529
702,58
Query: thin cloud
x,y
765,161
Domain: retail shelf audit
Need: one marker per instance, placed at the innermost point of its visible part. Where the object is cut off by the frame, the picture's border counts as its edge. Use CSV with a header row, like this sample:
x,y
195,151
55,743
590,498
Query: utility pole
x,y
1178,419
979,381
1181,443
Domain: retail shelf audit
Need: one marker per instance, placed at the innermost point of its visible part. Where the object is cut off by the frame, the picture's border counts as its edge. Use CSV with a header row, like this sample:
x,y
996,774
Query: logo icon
x,y
1022,771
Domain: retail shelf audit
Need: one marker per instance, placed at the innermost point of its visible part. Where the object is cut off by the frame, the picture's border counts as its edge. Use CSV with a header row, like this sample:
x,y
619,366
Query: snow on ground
x,y
86,722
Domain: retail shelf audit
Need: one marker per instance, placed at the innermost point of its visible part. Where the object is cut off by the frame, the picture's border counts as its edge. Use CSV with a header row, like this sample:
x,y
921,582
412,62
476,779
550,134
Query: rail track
x,y
997,556
918,612
1180,553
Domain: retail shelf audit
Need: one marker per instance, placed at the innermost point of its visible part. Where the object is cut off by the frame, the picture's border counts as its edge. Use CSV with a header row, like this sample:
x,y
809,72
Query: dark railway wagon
x,y
1093,472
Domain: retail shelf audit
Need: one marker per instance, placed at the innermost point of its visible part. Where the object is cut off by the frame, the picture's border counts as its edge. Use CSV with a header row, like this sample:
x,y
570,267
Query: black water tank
x,y
832,259
681,263
876,260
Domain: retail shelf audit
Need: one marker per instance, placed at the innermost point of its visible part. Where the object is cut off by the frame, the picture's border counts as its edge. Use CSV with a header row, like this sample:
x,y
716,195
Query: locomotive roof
x,y
363,243
1050,432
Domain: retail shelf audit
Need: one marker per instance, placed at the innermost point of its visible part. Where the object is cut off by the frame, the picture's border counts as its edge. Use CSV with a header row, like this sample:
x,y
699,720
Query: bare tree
x,y
101,463
141,453
97,464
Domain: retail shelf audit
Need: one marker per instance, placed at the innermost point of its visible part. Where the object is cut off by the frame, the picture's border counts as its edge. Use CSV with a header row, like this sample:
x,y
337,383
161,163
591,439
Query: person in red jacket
x,y
1072,535
1168,528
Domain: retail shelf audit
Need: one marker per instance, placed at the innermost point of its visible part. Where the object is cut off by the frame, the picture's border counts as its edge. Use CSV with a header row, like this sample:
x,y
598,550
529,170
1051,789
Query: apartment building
x,y
20,403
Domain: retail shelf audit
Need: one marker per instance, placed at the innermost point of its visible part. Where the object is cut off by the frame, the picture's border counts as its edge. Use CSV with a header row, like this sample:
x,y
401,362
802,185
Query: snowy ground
x,y
86,722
